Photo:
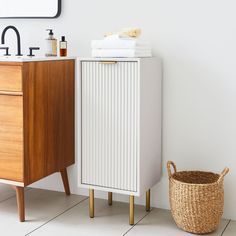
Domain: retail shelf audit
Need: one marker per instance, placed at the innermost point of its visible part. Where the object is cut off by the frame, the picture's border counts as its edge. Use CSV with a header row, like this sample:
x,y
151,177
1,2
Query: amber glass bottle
x,y
63,47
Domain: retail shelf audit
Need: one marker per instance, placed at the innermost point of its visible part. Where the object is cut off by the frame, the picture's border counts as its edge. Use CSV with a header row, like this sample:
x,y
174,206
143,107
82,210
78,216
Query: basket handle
x,y
169,164
223,174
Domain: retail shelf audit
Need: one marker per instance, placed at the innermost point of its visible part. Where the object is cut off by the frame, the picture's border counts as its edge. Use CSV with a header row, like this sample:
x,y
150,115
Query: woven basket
x,y
196,199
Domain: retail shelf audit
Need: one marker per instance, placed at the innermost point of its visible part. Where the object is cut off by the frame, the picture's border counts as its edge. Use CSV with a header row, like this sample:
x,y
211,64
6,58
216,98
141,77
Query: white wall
x,y
197,41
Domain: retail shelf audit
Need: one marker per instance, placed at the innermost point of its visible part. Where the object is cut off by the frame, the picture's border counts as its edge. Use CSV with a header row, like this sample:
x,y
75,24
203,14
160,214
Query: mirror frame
x,y
38,17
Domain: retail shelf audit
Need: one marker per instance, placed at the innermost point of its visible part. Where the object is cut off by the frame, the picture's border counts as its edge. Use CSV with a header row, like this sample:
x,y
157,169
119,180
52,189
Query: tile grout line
x,y
225,228
56,216
13,196
8,198
137,223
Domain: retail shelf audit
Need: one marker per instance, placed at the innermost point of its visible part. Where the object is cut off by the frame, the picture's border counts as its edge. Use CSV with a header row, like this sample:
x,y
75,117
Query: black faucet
x,y
17,35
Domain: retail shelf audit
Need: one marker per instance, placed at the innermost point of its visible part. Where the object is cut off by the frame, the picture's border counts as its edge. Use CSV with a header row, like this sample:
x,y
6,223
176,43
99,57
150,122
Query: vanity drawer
x,y
11,138
10,78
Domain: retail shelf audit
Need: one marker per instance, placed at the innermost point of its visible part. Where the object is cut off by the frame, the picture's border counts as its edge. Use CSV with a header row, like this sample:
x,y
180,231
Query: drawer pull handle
x,y
108,62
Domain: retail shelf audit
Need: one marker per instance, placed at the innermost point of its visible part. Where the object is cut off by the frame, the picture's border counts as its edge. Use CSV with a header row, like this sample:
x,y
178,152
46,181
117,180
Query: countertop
x,y
29,59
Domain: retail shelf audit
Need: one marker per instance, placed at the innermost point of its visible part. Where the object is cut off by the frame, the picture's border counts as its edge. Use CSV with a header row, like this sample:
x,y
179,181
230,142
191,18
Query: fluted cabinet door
x,y
110,124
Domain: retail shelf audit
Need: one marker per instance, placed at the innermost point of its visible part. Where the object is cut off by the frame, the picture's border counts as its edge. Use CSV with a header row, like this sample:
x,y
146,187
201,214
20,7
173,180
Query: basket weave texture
x,y
196,199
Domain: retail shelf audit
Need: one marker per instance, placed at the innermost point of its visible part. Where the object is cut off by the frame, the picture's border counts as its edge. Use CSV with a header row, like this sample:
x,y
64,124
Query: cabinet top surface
x,y
29,59
115,58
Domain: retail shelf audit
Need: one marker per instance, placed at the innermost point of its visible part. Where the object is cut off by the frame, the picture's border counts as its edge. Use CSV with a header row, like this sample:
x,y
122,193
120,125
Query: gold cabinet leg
x,y
91,203
131,210
148,194
109,198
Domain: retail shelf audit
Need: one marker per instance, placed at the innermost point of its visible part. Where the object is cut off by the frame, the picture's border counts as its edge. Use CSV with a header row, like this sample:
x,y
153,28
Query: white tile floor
x,y
51,213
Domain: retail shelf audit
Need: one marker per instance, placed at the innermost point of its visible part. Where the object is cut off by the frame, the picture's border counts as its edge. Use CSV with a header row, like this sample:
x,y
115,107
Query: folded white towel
x,y
121,53
119,44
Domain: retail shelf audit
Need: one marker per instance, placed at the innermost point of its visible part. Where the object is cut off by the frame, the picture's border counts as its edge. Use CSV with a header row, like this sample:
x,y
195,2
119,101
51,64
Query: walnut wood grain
x,y
37,131
48,89
65,181
11,63
10,78
11,137
20,197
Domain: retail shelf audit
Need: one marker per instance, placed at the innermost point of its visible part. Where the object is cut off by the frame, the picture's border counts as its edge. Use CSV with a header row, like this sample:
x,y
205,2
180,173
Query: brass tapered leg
x,y
148,193
131,210
91,203
109,198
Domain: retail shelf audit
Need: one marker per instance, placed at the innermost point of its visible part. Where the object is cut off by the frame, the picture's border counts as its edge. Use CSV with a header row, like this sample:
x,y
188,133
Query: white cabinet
x,y
121,125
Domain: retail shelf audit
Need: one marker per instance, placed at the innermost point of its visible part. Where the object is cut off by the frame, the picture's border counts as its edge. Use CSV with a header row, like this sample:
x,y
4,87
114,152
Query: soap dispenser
x,y
63,47
51,45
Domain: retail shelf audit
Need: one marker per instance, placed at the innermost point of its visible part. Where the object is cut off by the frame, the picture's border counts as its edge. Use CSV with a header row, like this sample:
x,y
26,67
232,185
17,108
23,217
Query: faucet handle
x,y
7,51
31,51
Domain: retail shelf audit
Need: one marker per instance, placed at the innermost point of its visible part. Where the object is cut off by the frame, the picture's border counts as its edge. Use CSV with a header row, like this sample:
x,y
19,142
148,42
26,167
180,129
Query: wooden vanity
x,y
36,122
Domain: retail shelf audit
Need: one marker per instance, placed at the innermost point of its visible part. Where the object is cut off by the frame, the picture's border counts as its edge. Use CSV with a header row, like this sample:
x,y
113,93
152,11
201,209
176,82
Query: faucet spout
x,y
17,36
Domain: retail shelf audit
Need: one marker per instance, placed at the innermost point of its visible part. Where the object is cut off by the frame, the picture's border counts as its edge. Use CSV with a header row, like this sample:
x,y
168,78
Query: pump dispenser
x,y
51,45
63,47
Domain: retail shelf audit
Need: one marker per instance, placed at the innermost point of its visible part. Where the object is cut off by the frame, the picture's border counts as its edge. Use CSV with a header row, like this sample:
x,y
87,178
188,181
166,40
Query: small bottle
x,y
51,45
63,47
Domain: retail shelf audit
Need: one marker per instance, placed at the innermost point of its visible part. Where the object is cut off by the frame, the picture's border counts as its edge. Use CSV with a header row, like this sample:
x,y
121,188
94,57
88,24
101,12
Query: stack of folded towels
x,y
123,44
